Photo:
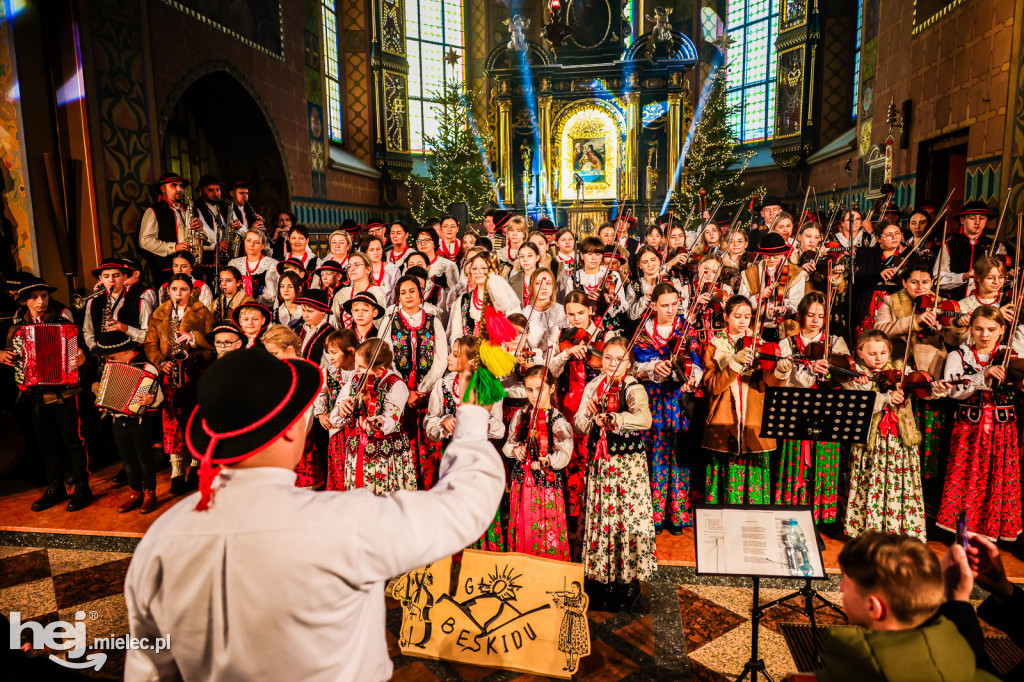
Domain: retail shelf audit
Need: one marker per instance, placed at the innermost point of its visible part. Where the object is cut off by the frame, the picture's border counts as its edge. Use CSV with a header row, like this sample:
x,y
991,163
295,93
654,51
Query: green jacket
x,y
933,652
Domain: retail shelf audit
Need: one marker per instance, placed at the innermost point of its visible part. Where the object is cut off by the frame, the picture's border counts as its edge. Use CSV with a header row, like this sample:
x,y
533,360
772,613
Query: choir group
x,y
642,361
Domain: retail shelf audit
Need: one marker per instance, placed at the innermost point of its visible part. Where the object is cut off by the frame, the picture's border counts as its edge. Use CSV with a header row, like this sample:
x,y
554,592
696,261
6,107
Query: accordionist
x,y
133,433
53,409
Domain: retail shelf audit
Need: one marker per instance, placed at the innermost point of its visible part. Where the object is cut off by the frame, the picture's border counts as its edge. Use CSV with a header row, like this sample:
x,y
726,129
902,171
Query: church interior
x,y
579,111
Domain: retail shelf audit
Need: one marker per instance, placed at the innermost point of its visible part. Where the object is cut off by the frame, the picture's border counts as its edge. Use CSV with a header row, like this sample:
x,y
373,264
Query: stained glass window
x,y
432,29
856,57
332,70
753,26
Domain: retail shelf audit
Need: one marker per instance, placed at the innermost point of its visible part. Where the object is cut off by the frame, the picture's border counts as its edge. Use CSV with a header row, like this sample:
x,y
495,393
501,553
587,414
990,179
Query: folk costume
x,y
310,469
618,541
197,320
670,480
885,481
787,289
326,401
53,414
894,317
379,460
129,307
983,475
201,292
420,348
809,470
739,472
572,377
536,520
959,253
259,278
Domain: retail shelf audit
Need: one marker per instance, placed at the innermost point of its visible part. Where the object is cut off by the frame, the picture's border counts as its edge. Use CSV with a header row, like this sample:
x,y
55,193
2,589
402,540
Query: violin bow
x,y
938,216
532,428
935,302
803,210
999,225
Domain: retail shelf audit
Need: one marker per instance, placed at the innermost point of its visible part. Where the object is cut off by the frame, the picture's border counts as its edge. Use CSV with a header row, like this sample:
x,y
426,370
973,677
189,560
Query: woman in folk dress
x,y
618,541
540,443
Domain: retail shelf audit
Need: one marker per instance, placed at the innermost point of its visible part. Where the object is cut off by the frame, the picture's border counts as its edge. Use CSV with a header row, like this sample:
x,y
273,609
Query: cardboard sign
x,y
508,610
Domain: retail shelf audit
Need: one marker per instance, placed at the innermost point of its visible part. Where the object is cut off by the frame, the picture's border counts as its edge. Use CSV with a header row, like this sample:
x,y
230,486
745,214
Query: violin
x,y
682,362
833,250
945,312
780,294
916,382
1014,363
366,404
526,433
765,354
574,336
840,364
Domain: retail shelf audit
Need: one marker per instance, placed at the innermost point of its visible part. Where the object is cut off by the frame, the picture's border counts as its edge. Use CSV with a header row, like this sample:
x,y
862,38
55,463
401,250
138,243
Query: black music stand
x,y
714,540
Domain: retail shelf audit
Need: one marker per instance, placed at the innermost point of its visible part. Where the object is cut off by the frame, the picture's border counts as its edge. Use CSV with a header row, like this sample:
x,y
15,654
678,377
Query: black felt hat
x,y
351,226
501,218
545,226
267,315
171,177
244,402
112,264
33,283
773,244
294,263
240,184
226,327
208,180
975,208
108,343
315,298
367,298
330,266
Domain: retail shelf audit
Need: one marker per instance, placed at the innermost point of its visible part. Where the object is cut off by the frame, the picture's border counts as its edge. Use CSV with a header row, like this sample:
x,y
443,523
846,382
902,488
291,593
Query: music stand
x,y
758,541
816,414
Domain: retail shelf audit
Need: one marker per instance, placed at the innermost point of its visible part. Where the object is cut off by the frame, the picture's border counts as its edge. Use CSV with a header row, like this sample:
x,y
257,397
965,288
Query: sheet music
x,y
776,542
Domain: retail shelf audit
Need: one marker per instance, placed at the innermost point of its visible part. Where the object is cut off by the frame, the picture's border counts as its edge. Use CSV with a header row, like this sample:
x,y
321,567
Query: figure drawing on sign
x,y
413,591
573,639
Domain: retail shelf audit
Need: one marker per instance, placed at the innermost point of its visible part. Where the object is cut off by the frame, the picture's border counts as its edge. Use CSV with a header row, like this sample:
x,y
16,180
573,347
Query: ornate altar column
x,y
544,129
674,142
508,192
630,160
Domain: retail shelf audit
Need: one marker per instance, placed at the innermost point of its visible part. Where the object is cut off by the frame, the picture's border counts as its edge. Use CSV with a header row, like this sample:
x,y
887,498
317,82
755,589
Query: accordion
x,y
46,354
122,387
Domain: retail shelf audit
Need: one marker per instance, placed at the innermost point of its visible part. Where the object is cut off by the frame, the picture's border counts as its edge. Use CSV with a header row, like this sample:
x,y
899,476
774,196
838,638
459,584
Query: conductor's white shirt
x,y
275,582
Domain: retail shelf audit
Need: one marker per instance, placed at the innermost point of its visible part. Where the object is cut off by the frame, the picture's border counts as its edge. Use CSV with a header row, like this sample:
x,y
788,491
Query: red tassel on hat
x,y
207,475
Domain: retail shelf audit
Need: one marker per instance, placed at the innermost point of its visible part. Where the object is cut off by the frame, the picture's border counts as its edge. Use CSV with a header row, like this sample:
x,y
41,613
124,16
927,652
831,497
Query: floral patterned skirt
x,y
983,478
618,539
382,465
492,540
573,633
536,521
738,479
308,472
930,421
336,461
805,463
885,489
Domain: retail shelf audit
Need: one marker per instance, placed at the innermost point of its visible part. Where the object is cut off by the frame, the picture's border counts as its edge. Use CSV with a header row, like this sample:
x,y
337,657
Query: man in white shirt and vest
x,y
255,579
164,230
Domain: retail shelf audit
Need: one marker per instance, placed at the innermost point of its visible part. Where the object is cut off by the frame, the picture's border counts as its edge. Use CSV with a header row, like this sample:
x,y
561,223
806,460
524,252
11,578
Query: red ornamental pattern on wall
x,y
124,128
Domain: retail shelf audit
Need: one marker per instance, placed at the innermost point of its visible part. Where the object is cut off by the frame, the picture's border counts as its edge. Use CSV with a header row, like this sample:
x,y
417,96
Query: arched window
x,y
434,36
856,56
332,70
753,26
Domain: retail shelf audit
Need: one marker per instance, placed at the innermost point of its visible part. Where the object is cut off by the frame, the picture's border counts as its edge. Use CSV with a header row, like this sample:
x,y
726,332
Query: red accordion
x,y
46,354
122,387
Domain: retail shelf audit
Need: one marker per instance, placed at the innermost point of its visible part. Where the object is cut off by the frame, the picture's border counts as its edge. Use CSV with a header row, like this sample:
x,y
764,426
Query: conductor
x,y
253,578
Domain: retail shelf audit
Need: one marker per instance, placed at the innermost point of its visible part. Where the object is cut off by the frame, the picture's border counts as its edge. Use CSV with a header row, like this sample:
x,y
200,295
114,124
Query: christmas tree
x,y
713,161
455,168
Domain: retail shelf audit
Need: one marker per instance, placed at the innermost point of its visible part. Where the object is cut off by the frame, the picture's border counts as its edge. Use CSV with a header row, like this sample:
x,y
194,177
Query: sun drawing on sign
x,y
502,584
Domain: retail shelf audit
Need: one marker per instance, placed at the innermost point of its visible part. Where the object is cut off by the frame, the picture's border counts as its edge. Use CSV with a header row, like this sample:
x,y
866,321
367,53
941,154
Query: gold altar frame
x,y
588,119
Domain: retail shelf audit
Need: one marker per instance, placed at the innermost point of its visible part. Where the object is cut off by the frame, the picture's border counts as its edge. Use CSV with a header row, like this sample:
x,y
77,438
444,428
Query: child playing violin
x,y
377,454
439,422
739,472
809,470
885,481
337,365
983,475
898,313
573,367
540,442
668,369
618,541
